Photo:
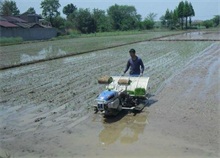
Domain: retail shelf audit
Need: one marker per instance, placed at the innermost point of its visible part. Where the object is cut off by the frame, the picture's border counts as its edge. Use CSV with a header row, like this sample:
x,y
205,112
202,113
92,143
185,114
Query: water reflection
x,y
49,52
124,128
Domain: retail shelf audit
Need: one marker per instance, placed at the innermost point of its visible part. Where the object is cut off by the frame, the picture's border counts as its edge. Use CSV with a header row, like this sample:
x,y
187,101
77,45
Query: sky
x,y
204,9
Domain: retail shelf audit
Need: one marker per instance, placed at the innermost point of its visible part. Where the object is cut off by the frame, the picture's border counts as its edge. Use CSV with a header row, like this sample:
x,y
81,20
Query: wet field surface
x,y
45,108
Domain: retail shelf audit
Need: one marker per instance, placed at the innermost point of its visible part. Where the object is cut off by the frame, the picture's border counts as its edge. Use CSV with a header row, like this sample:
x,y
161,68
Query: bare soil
x,y
45,108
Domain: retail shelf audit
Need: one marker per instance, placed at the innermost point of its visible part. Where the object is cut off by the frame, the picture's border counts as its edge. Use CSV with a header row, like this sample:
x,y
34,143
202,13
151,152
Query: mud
x,y
45,108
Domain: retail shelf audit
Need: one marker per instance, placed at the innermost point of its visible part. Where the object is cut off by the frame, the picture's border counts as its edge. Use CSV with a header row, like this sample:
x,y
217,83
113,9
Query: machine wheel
x,y
141,105
111,112
96,110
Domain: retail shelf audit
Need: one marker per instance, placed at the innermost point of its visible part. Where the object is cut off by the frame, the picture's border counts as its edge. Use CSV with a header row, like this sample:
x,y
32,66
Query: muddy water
x,y
45,53
27,56
123,129
196,35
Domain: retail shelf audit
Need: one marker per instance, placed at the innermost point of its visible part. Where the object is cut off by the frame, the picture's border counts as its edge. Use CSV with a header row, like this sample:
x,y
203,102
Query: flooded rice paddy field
x,y
45,108
72,82
198,35
32,52
27,53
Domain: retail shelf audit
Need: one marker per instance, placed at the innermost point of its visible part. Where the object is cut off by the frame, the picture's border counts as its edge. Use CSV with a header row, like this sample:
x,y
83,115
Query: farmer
x,y
136,65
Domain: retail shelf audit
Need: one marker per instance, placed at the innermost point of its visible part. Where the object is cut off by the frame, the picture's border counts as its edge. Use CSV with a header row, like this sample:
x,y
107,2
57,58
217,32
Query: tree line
x,y
179,15
116,18
182,15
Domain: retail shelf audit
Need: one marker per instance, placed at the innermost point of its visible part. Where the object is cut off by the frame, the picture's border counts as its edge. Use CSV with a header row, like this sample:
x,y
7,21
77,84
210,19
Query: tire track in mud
x,y
162,71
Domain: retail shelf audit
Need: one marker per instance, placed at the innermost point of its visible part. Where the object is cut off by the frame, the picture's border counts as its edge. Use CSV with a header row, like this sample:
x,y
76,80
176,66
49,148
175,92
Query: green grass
x,y
139,91
130,92
10,40
75,34
7,155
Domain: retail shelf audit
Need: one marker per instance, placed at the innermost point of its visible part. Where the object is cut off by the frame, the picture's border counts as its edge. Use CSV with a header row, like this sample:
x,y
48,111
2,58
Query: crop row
x,y
66,88
40,51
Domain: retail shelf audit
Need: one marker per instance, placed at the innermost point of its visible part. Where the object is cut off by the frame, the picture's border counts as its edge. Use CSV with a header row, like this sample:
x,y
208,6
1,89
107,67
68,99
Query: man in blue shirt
x,y
135,64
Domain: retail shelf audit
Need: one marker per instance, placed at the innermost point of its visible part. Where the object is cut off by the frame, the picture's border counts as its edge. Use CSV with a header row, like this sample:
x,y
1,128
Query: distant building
x,y
27,26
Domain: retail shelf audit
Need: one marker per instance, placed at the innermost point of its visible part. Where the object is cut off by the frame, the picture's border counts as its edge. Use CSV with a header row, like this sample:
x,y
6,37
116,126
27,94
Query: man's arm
x,y
142,66
127,66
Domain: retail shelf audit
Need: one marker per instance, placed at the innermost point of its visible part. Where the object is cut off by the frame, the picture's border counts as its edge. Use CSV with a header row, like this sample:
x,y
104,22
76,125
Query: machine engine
x,y
108,101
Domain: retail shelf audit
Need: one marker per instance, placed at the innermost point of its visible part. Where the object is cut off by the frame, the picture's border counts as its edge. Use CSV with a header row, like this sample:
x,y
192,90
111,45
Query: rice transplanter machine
x,y
122,92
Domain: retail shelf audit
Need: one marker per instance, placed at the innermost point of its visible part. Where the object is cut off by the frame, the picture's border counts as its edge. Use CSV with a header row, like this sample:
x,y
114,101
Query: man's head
x,y
132,53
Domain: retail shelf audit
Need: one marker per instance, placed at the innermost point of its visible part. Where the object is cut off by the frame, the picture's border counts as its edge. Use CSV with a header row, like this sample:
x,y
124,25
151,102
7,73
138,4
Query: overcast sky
x,y
204,9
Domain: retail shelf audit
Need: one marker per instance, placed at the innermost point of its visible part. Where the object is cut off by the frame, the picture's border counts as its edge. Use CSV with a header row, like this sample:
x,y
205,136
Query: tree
x,y
149,22
31,10
123,17
175,17
168,18
181,12
58,22
191,13
186,12
50,9
84,21
69,10
101,20
8,8
163,20
115,16
216,20
151,16
207,23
